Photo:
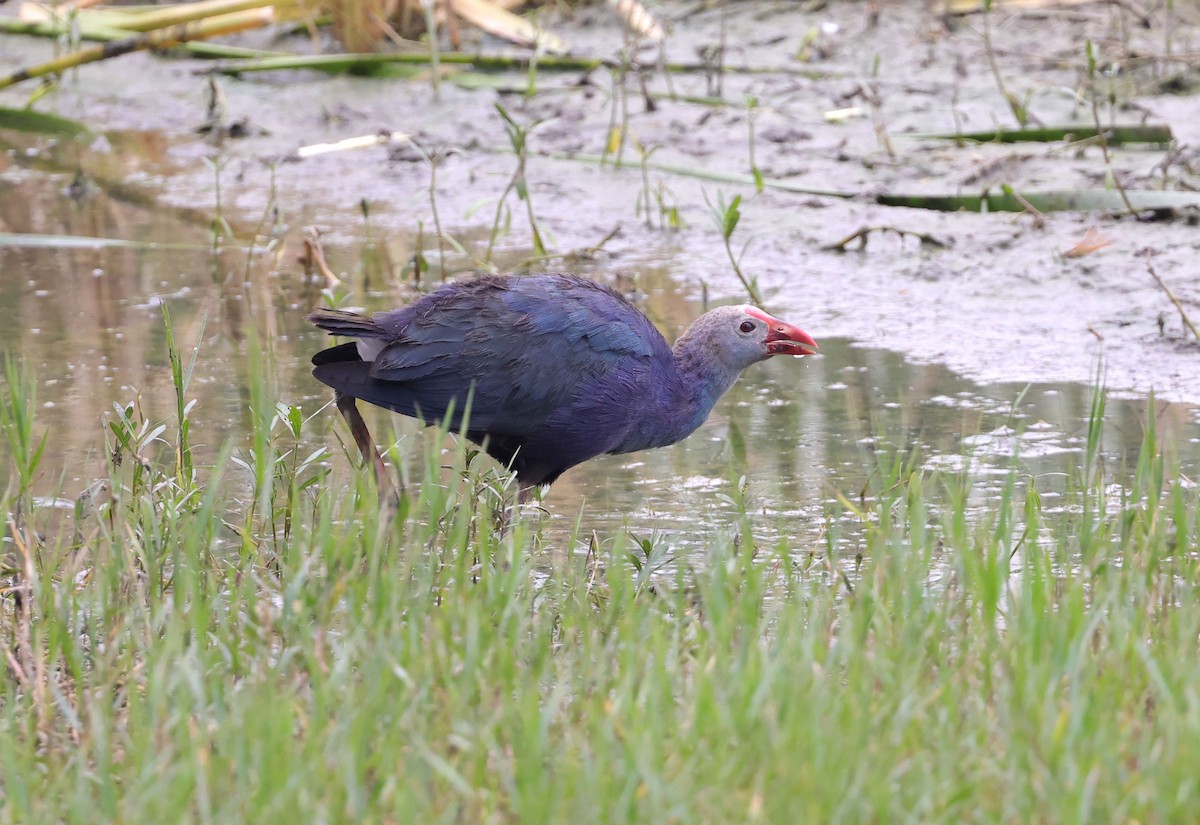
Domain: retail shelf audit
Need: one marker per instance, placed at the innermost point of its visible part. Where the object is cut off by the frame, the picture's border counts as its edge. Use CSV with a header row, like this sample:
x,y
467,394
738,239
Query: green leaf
x,y
732,216
27,120
295,420
1115,135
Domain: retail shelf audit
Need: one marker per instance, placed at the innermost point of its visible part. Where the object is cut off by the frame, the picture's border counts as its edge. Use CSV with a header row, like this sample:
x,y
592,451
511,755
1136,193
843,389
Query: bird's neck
x,y
682,399
702,380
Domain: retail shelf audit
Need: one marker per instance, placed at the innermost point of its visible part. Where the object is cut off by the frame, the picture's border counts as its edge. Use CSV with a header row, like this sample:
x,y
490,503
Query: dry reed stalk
x,y
76,5
157,39
964,7
637,19
489,17
363,25
144,21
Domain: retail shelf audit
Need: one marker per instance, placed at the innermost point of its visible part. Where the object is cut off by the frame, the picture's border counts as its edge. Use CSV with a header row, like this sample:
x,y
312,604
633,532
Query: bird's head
x,y
724,341
739,336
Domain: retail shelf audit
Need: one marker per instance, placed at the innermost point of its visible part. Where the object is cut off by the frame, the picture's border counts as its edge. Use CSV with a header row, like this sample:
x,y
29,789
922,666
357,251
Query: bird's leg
x,y
502,519
362,437
507,514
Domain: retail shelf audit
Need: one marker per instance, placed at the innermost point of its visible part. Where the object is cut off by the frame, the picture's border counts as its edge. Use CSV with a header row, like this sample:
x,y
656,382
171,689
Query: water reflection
x,y
801,432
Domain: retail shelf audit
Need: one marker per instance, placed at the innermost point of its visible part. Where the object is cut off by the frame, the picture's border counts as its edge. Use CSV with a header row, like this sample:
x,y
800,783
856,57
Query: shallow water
x,y
801,432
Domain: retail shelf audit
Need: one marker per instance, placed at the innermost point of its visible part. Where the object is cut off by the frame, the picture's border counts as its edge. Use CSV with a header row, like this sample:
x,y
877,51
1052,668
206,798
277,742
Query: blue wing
x,y
530,352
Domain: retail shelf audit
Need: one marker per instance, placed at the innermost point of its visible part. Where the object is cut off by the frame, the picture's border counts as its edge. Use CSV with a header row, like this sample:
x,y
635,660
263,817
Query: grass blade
x,y
27,120
1116,135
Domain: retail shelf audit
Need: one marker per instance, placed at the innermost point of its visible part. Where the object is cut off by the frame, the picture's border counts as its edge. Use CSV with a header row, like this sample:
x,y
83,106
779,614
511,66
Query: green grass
x,y
253,643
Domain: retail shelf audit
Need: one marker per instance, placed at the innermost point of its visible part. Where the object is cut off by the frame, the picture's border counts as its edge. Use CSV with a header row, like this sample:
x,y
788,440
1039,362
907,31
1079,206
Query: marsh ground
x,y
1000,302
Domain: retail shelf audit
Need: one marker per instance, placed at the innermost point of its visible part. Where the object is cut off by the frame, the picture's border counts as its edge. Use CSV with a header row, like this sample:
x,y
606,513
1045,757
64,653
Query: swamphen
x,y
557,369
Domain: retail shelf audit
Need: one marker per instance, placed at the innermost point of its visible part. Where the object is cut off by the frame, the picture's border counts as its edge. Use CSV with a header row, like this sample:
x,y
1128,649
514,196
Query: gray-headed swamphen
x,y
557,368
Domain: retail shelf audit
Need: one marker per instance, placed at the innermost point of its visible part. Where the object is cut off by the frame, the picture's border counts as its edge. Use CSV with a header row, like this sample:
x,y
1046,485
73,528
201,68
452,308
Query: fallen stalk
x,y
1115,135
1187,322
1066,200
51,28
706,174
29,240
148,18
101,32
158,18
348,144
1061,200
502,86
1039,219
962,8
158,39
861,236
482,62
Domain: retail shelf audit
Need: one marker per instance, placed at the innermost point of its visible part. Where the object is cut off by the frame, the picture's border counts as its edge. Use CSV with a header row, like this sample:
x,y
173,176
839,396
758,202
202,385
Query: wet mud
x,y
1002,300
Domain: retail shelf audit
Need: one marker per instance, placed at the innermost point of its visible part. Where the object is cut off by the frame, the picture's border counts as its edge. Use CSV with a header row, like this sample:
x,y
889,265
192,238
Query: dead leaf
x,y
1092,241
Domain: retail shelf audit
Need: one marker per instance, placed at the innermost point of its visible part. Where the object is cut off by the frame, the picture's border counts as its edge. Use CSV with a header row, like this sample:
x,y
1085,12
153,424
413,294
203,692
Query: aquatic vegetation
x,y
266,643
518,137
726,217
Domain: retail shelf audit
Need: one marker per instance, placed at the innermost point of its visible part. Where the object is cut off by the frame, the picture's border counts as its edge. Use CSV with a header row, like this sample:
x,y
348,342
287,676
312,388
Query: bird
x,y
542,371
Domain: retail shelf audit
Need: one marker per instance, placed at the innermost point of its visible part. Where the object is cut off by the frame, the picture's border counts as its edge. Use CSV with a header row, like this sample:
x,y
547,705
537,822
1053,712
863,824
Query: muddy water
x,y
88,322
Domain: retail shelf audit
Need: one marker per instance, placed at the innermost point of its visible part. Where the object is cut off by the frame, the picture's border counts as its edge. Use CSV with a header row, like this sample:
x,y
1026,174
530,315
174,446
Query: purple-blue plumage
x,y
557,368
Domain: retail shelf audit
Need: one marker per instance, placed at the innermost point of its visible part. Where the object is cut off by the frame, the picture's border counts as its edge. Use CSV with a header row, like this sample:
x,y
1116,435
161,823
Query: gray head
x,y
733,338
711,355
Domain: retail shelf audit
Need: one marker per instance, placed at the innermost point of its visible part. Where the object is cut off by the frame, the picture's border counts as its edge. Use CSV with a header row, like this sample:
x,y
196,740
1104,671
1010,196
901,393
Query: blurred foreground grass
x,y
208,649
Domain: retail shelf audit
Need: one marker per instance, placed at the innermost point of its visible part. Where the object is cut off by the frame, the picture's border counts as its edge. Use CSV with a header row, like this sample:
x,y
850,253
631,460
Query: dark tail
x,y
340,354
349,324
350,377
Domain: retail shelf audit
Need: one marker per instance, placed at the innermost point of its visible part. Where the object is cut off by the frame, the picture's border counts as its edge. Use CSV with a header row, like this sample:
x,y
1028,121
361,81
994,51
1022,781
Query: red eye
x,y
747,326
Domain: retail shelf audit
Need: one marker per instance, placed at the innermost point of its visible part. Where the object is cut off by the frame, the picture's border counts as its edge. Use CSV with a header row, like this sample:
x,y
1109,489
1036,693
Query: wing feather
x,y
529,348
